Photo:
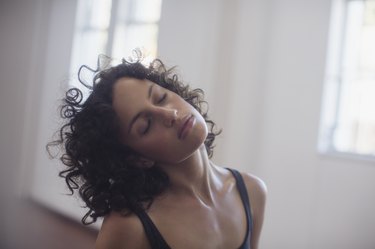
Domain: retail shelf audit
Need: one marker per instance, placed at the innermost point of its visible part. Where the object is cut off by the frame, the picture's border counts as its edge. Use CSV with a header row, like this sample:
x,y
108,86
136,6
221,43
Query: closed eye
x,y
147,126
163,98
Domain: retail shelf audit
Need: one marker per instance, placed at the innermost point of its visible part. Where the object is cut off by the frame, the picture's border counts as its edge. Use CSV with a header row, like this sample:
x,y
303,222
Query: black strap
x,y
245,200
154,237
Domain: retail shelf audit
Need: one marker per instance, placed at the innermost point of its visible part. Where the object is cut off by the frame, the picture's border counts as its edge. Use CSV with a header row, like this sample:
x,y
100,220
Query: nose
x,y
167,115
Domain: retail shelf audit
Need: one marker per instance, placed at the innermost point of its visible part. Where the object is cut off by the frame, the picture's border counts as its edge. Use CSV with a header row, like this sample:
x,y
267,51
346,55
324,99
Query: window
x,y
114,28
348,110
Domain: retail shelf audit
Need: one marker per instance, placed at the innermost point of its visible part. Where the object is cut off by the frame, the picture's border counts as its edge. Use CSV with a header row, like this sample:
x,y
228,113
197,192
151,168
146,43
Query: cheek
x,y
158,146
174,151
164,146
200,134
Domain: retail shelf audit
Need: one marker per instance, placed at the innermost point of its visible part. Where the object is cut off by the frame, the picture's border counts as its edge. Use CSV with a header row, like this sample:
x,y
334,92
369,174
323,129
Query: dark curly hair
x,y
98,164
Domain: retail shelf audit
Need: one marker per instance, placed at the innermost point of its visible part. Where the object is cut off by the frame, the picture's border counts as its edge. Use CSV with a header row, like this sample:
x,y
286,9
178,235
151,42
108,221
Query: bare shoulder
x,y
257,192
121,232
256,187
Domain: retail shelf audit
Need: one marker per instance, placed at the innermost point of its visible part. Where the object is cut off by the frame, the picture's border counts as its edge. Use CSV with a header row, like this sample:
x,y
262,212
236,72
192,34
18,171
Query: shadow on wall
x,y
33,226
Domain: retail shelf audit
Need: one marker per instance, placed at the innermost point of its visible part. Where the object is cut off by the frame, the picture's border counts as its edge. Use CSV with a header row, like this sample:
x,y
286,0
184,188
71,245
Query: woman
x,y
138,150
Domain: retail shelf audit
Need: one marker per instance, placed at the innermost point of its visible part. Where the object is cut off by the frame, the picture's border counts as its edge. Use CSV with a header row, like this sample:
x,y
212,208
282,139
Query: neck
x,y
195,177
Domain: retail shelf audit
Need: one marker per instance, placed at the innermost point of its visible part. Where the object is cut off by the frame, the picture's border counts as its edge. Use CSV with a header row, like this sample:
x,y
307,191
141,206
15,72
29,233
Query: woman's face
x,y
156,122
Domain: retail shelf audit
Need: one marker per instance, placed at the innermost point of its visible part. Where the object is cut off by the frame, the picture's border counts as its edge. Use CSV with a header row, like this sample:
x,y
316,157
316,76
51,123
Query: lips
x,y
187,123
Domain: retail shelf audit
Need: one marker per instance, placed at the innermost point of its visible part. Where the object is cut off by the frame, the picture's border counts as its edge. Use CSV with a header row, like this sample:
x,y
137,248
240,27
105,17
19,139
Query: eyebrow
x,y
134,119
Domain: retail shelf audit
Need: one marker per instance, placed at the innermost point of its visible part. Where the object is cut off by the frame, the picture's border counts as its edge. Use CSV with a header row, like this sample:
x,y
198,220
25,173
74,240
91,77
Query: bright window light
x,y
348,110
114,28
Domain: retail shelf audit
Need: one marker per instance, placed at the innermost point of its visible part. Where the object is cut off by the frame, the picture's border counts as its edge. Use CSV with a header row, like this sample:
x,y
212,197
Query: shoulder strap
x,y
155,238
244,196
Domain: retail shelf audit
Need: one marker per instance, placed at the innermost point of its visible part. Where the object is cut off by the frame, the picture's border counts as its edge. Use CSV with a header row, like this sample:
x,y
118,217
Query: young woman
x,y
138,150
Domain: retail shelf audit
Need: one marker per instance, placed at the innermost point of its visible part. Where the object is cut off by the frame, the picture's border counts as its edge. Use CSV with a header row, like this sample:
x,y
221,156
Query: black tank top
x,y
157,241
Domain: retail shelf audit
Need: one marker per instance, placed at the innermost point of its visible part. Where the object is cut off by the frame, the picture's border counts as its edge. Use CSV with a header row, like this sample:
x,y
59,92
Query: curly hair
x,y
98,164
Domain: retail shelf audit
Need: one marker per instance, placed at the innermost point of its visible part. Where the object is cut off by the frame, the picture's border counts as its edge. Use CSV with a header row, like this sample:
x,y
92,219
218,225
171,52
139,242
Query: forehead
x,y
130,88
129,96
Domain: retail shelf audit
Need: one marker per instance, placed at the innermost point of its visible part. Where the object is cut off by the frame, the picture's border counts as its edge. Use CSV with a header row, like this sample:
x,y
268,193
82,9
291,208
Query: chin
x,y
194,146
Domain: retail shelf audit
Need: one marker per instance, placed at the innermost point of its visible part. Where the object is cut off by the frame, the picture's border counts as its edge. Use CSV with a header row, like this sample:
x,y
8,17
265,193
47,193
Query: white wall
x,y
262,65
266,88
315,201
218,46
19,84
46,186
35,54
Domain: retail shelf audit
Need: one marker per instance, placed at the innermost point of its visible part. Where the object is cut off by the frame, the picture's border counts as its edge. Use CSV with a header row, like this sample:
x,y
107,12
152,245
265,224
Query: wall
x,y
45,186
19,71
218,46
315,201
35,49
195,45
268,69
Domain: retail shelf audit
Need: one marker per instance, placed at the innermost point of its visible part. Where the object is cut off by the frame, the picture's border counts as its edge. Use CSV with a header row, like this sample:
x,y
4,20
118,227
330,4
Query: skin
x,y
202,207
166,112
